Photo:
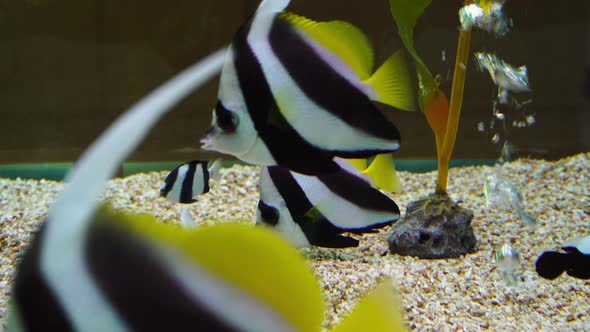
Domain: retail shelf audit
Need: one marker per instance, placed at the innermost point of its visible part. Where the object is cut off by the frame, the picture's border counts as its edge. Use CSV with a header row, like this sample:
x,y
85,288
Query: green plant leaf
x,y
406,13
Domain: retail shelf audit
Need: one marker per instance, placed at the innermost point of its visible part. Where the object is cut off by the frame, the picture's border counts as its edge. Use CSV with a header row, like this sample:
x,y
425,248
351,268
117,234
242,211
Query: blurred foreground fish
x,y
154,277
575,261
92,269
295,93
55,288
316,210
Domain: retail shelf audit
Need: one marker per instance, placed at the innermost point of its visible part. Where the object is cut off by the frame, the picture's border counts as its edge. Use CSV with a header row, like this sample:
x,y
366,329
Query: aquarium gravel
x,y
467,293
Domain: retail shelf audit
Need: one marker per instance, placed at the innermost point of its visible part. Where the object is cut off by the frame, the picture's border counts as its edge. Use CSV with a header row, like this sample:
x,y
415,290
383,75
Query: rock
x,y
434,227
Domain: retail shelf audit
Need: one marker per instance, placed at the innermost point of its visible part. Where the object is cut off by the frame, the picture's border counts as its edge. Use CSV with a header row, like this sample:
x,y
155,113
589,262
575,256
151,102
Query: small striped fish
x,y
295,93
188,180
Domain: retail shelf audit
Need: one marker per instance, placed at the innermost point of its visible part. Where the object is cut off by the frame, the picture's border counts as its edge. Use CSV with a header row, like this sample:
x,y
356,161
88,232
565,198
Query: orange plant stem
x,y
446,148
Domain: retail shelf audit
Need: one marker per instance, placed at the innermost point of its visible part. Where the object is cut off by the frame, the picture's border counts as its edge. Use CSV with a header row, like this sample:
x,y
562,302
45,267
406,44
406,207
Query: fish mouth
x,y
205,141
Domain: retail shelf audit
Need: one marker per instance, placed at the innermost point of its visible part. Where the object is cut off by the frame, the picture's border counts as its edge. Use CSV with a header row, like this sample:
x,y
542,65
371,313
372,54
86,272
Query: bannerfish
x,y
96,269
575,261
316,210
148,276
296,93
189,180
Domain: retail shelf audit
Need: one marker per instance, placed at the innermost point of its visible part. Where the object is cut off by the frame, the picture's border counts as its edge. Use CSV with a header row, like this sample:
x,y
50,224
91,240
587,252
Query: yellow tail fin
x,y
392,84
378,311
382,173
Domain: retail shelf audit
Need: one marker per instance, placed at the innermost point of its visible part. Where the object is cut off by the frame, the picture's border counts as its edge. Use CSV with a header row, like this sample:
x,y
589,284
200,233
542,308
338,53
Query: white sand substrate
x,y
463,294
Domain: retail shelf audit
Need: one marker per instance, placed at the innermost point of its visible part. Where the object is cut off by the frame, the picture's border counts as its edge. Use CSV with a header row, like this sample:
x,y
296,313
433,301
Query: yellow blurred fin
x,y
392,84
253,259
383,174
378,311
341,38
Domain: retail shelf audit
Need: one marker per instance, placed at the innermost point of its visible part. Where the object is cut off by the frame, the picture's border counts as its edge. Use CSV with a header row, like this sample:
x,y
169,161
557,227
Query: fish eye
x,y
226,120
269,214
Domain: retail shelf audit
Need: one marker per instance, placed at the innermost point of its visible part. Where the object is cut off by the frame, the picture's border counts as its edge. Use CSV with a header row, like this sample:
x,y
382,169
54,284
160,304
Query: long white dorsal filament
x,y
272,6
70,215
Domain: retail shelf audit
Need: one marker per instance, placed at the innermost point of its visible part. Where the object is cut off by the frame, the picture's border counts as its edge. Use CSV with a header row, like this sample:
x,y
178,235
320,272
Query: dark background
x,y
69,67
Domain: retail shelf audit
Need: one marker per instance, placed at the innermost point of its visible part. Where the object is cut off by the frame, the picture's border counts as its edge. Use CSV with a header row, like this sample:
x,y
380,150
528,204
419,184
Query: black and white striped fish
x,y
146,276
295,93
575,261
316,210
184,183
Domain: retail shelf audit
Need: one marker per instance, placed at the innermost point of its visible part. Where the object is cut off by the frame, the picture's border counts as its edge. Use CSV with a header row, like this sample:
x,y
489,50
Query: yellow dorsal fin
x,y
341,38
392,84
378,311
255,260
382,173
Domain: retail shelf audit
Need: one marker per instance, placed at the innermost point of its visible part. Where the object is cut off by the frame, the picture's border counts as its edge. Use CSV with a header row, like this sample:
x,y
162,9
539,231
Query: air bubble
x,y
530,119
481,127
496,138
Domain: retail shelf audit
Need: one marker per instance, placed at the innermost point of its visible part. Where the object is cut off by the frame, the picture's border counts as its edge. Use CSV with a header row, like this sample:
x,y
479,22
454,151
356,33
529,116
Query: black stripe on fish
x,y
269,214
226,120
144,293
551,264
186,189
318,230
579,263
325,86
206,177
169,182
38,307
287,147
186,181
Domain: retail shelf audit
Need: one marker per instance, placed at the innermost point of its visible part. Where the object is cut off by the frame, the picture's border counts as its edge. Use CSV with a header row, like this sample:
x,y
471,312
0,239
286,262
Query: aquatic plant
x,y
442,117
425,230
